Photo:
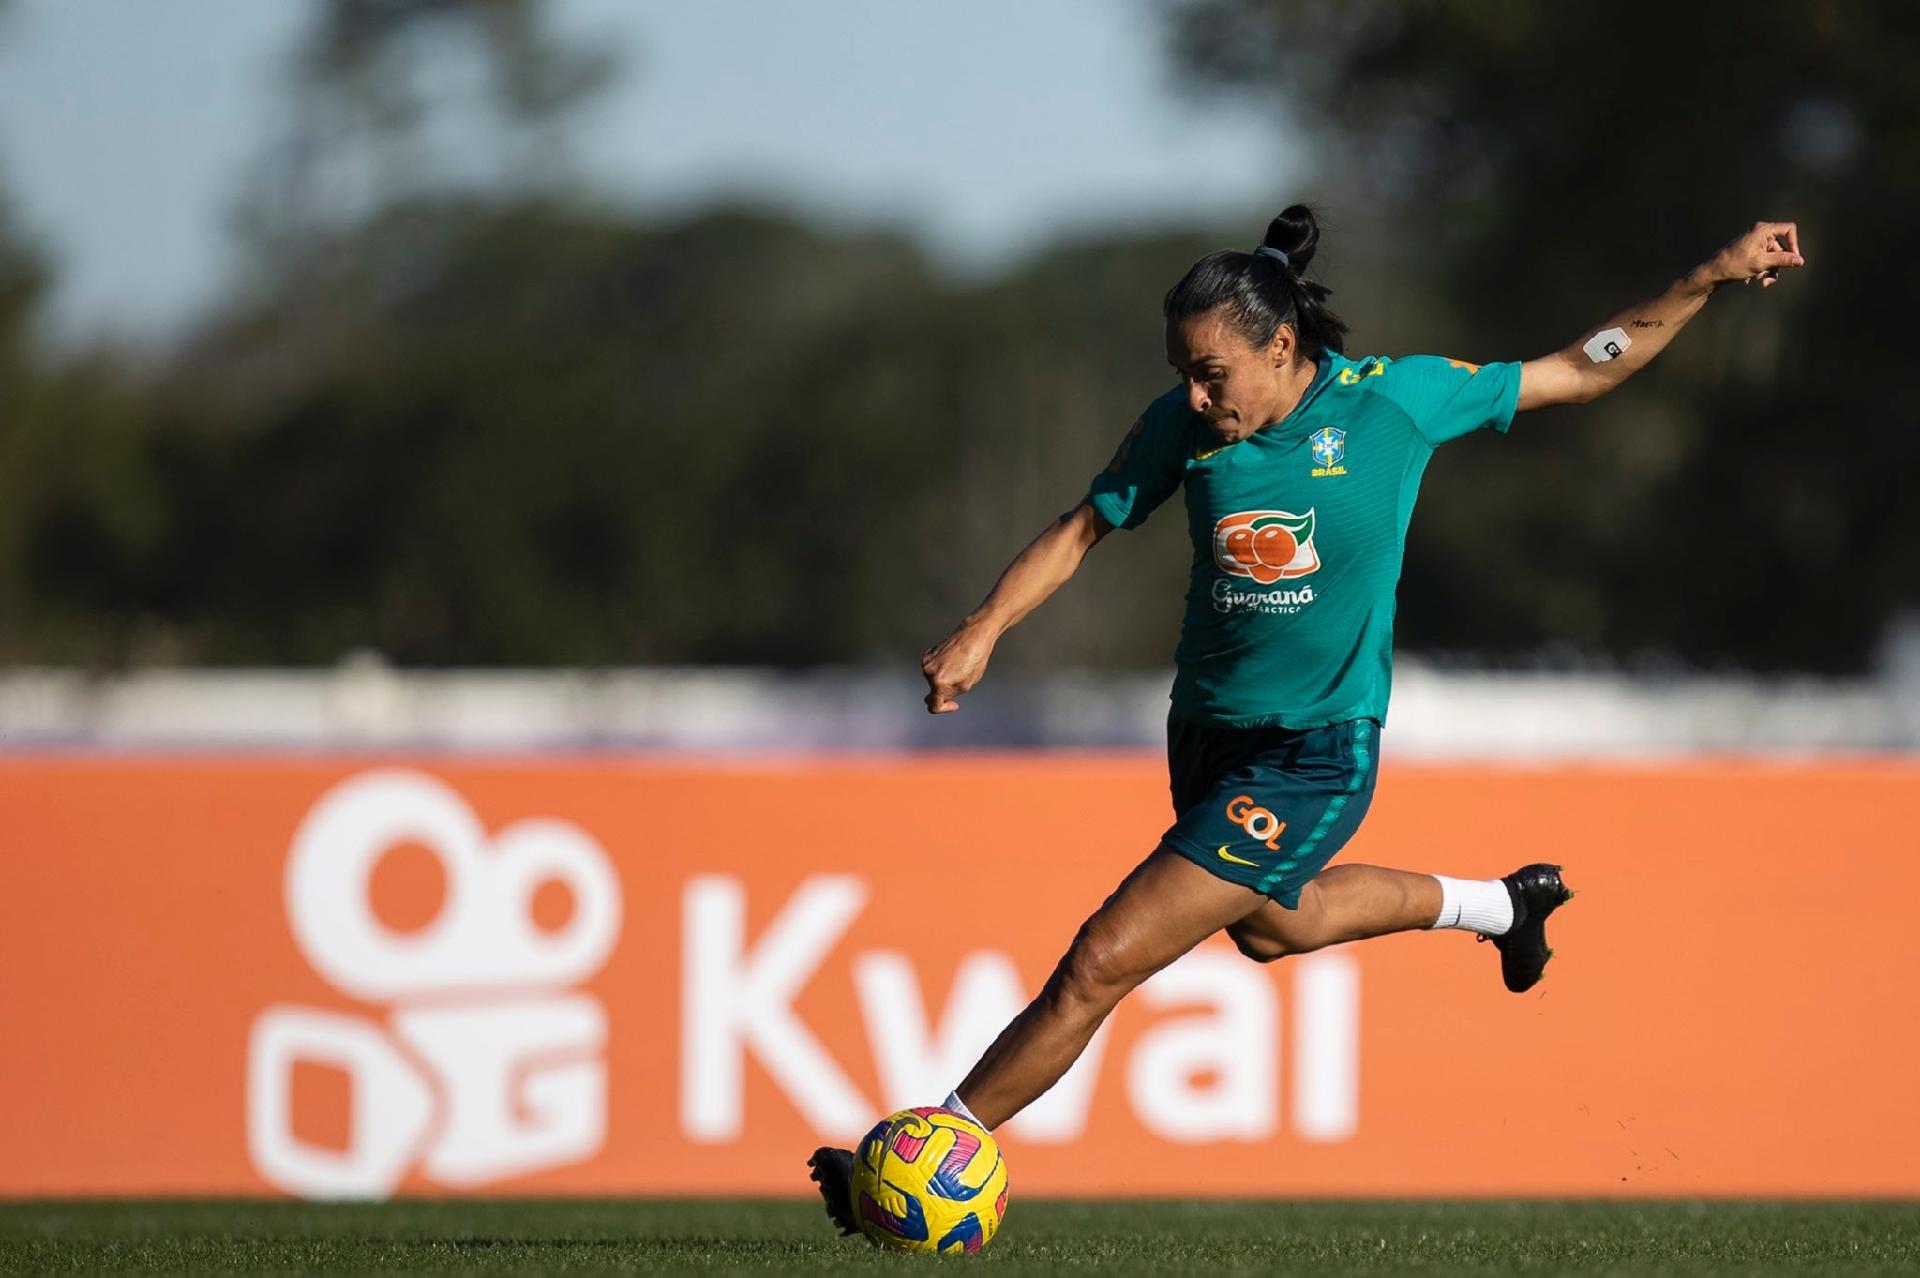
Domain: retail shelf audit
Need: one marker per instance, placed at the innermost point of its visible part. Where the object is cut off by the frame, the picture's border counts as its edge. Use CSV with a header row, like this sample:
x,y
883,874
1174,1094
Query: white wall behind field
x,y
365,705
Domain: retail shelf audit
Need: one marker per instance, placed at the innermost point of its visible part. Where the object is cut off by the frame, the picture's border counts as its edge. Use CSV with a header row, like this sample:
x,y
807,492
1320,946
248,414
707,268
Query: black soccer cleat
x,y
833,1173
1536,891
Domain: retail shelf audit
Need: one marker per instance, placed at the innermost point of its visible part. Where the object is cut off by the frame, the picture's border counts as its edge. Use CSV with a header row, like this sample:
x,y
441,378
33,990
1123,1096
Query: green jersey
x,y
1298,532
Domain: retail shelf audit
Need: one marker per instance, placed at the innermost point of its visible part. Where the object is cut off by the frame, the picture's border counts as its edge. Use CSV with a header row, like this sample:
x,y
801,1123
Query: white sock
x,y
1475,905
958,1106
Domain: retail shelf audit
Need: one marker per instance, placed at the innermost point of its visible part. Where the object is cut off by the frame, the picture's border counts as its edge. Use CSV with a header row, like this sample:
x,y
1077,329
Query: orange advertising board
x,y
361,977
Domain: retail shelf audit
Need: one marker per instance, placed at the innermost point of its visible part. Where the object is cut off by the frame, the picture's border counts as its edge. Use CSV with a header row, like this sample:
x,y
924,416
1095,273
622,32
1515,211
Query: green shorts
x,y
1268,807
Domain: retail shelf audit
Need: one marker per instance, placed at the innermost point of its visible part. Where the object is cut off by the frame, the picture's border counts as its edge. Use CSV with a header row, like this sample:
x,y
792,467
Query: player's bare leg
x,y
1354,902
1164,908
1167,906
1343,903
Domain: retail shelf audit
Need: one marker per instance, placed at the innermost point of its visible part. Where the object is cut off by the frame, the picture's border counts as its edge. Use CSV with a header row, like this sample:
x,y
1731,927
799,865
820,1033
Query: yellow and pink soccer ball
x,y
929,1180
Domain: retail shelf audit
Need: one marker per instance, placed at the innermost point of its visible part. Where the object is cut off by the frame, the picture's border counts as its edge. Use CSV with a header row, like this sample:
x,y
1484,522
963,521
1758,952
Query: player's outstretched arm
x,y
956,663
1608,355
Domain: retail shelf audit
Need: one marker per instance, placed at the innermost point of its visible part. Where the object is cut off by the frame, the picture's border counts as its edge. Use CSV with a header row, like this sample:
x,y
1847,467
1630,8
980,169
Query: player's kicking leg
x,y
1164,908
1353,902
1167,906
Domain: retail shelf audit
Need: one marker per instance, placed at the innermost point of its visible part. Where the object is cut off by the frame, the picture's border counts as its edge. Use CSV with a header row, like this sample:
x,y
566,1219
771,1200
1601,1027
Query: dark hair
x,y
1262,291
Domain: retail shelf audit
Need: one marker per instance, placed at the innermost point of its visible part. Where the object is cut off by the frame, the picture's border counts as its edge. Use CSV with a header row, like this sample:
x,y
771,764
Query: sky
x,y
985,129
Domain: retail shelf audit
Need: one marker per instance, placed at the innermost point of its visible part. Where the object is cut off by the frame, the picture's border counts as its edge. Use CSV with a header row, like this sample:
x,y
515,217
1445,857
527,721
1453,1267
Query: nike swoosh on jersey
x,y
1237,860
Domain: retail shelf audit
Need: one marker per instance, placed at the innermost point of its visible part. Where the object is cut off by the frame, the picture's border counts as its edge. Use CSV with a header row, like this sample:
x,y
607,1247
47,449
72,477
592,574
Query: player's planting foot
x,y
833,1173
1536,891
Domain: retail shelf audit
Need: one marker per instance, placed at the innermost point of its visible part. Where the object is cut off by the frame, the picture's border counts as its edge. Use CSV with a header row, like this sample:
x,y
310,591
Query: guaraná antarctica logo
x,y
1266,547
477,1058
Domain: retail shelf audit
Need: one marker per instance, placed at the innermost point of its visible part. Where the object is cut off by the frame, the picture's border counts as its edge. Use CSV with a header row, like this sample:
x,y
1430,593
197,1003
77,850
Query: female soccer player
x,y
1300,467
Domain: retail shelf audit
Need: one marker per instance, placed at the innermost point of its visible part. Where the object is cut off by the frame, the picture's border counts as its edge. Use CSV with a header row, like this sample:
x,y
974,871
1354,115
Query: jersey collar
x,y
1292,423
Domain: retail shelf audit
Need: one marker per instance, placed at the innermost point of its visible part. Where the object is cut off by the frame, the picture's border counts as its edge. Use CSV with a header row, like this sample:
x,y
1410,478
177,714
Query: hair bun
x,y
1296,232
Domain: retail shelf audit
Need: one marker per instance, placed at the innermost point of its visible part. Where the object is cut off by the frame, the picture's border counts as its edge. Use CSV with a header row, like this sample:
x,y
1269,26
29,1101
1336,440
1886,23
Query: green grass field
x,y
712,1237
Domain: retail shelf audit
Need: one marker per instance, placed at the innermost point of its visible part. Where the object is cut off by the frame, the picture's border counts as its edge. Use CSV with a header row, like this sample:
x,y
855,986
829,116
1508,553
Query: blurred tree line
x,y
461,420
1749,499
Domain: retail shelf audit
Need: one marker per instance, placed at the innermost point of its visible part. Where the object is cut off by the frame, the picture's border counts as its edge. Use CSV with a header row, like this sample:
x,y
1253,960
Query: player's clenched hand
x,y
1757,255
953,666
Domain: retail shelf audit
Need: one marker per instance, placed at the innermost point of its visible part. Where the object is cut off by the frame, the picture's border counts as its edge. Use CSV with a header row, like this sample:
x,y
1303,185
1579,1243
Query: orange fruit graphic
x,y
1239,544
1274,546
1260,545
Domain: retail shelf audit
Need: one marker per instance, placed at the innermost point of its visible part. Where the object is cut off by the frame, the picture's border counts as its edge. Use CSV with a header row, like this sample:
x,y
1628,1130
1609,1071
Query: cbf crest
x,y
1329,450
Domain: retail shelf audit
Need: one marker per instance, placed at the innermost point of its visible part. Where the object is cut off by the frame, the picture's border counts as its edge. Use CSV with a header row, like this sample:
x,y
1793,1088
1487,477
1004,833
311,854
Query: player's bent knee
x,y
1094,973
1258,947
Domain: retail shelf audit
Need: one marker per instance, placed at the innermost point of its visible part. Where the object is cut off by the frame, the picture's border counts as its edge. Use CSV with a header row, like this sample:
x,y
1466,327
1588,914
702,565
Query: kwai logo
x,y
1209,1072
486,1064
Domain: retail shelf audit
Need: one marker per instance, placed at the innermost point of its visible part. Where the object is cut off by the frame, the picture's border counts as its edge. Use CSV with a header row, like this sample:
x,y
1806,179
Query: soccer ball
x,y
929,1180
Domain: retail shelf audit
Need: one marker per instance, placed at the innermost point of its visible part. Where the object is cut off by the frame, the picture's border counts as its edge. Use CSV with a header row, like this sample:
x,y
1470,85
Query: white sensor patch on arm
x,y
1606,345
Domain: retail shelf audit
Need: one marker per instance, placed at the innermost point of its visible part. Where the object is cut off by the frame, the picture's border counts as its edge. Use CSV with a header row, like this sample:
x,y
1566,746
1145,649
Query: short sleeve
x,y
1147,466
1448,398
